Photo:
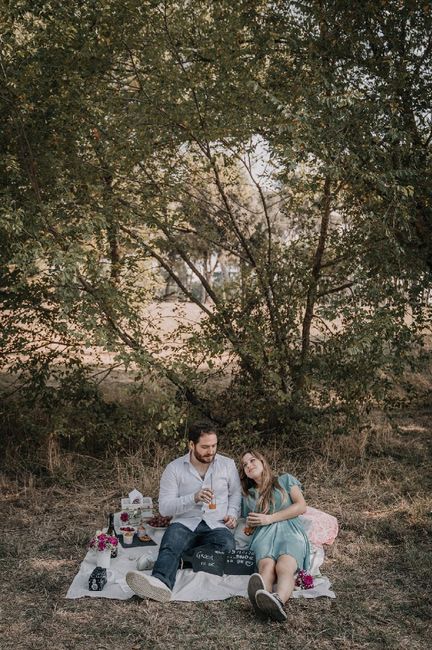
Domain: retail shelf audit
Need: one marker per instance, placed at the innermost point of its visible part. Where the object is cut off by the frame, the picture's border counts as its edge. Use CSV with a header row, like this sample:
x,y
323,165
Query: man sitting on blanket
x,y
201,492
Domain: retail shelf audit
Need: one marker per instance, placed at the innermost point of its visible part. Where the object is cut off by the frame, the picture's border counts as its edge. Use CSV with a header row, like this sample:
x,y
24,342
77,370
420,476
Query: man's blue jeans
x,y
179,538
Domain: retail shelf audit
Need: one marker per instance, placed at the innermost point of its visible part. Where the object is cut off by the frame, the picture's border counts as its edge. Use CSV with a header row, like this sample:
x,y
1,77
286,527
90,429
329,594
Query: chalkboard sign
x,y
210,560
239,562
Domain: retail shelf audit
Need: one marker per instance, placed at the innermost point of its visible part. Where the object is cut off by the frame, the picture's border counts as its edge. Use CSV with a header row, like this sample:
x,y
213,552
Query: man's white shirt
x,y
181,480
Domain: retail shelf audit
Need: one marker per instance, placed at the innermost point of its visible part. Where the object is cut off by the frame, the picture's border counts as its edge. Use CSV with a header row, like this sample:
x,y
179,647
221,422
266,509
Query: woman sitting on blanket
x,y
281,547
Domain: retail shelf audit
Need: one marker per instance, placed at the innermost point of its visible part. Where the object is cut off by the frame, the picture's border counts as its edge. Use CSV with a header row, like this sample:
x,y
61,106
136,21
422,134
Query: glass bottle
x,y
111,531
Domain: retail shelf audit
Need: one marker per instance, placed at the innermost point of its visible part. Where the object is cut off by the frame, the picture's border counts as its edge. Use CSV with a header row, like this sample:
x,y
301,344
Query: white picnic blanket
x,y
189,586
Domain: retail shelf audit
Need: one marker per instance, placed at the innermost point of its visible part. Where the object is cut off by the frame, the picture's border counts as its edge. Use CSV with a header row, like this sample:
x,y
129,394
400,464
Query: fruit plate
x,y
158,522
147,525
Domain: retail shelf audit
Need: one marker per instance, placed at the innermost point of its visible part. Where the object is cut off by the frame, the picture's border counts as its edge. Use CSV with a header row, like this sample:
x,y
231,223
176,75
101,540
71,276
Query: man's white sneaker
x,y
148,586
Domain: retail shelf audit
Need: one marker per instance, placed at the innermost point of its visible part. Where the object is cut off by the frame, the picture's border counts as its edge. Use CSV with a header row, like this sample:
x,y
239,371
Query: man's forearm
x,y
169,505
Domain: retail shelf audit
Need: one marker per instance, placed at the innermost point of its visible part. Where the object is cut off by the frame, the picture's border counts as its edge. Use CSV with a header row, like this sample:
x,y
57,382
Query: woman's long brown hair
x,y
269,483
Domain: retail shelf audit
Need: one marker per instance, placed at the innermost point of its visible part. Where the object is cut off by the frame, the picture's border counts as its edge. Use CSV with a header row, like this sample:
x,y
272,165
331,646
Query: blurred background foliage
x,y
266,164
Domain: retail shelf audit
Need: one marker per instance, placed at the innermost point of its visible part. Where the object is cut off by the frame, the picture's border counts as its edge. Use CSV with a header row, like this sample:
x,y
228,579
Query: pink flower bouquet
x,y
304,580
103,542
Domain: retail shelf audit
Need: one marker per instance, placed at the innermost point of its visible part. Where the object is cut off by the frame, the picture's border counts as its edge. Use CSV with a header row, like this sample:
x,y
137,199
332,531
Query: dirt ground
x,y
380,564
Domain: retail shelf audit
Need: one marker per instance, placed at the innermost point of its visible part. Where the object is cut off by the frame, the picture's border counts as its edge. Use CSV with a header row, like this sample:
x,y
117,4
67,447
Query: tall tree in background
x,y
130,137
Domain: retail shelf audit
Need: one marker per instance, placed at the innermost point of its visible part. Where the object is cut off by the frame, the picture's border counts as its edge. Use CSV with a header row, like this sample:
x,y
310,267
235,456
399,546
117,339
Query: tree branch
x,y
347,285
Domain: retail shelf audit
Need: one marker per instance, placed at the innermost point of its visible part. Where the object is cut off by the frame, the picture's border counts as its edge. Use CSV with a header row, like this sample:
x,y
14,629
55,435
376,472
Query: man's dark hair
x,y
197,429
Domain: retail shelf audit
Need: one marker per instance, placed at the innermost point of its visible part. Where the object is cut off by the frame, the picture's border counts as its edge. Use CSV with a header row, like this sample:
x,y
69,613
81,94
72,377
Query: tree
x,y
135,147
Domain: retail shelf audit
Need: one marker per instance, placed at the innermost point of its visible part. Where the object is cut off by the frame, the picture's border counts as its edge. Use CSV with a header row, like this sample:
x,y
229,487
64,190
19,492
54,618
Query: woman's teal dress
x,y
283,537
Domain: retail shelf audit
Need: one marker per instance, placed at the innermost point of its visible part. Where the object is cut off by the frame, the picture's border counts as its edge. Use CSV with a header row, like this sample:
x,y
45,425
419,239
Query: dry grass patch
x,y
378,490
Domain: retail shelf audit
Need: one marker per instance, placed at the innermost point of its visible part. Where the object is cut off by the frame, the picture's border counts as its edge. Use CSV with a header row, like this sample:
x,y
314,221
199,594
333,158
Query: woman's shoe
x,y
255,582
271,605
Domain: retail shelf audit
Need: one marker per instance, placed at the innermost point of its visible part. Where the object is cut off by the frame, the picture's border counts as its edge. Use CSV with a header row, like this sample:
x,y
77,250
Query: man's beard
x,y
203,459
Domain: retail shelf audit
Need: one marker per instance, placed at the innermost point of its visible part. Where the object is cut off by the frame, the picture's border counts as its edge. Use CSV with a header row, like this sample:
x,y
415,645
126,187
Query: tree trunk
x,y
301,373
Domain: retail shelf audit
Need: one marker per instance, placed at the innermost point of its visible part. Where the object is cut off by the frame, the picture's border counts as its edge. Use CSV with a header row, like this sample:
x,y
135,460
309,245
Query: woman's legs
x,y
267,569
285,568
281,572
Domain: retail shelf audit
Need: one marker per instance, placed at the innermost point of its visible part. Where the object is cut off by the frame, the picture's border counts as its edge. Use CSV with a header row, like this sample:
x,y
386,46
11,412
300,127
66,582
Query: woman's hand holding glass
x,y
258,519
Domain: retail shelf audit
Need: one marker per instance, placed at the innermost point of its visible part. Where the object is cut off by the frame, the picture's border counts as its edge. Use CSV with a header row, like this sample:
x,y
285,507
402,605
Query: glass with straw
x,y
212,504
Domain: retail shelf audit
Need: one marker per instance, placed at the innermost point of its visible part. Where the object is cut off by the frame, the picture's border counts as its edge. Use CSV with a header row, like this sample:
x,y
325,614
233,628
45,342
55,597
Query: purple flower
x,y
124,516
308,582
304,580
